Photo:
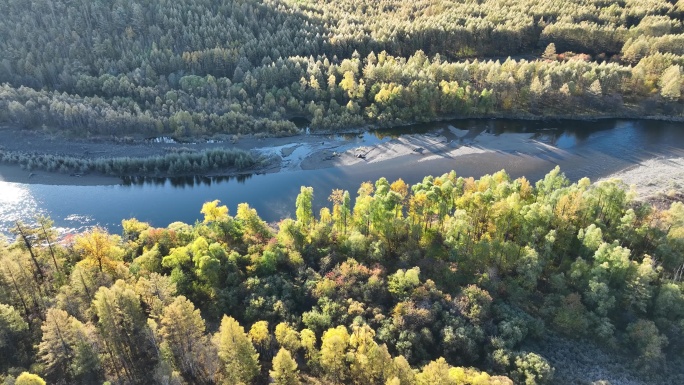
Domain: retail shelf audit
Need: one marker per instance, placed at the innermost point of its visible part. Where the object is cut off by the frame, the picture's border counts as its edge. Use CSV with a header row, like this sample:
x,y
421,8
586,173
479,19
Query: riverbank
x,y
45,158
15,174
272,154
471,147
447,143
659,181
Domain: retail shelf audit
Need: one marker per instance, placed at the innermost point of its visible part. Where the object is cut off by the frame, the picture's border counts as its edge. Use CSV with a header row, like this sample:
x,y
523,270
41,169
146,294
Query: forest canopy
x,y
203,67
452,280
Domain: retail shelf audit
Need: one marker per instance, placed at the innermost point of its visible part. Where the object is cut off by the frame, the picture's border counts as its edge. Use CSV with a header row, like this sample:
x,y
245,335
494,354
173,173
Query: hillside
x,y
205,67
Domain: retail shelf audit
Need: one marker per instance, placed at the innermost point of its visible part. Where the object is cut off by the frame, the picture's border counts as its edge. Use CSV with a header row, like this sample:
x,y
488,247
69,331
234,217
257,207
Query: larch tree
x,y
312,354
288,337
182,332
236,352
371,363
284,369
436,372
67,350
671,83
213,212
304,204
403,371
261,338
341,209
123,328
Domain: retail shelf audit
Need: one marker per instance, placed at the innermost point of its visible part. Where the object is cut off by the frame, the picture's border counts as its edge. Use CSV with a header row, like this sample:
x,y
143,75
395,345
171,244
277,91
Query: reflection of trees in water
x,y
300,121
183,181
549,131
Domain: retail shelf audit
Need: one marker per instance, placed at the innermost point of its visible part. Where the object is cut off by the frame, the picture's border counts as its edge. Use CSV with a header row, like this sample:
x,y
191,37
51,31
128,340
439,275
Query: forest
x,y
198,68
452,280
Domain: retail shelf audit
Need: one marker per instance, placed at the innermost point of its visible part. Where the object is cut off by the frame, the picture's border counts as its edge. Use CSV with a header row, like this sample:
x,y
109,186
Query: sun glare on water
x,y
16,202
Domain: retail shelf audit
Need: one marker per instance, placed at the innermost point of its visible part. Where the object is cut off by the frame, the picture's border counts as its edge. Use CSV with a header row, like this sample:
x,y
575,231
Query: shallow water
x,y
593,149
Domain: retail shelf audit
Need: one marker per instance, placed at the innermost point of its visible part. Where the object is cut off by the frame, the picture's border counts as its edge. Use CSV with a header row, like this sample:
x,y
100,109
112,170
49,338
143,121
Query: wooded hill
x,y
199,67
448,281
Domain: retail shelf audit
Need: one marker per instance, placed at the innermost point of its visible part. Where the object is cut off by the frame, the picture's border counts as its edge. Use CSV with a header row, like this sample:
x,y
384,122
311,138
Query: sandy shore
x,y
448,143
301,152
516,152
654,178
39,143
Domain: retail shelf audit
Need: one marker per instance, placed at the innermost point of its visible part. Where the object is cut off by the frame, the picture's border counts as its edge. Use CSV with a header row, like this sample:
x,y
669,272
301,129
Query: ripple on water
x,y
76,223
16,203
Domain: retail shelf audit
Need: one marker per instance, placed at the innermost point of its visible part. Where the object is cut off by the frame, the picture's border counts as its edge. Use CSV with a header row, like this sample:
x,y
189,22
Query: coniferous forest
x,y
202,67
449,281
452,280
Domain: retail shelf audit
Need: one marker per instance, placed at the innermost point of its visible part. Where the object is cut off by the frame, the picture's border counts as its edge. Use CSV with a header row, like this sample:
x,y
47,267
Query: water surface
x,y
593,149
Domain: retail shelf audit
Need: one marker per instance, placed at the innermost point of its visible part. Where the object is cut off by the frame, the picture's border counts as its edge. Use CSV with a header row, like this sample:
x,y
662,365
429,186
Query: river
x,y
594,149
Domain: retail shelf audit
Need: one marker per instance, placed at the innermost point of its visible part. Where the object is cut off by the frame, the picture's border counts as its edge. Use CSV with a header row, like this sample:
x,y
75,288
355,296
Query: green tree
x,y
213,212
533,369
403,282
645,338
288,337
284,369
11,326
475,304
123,327
304,207
13,330
236,352
333,353
182,331
67,350
671,83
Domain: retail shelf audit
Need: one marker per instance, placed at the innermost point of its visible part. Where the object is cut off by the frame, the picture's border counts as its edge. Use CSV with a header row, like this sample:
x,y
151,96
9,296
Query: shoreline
x,y
318,150
13,173
307,152
659,181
